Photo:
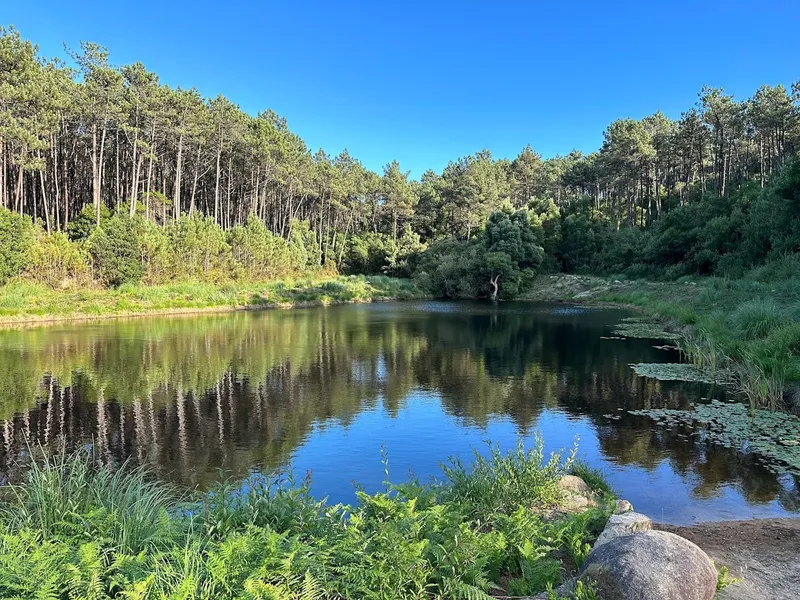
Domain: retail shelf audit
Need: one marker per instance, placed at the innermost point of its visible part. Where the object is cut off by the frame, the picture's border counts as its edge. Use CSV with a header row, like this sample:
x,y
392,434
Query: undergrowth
x,y
750,326
76,528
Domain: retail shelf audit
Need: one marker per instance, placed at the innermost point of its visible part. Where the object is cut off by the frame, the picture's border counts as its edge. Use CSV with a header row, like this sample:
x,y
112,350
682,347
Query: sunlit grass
x,y
750,325
21,299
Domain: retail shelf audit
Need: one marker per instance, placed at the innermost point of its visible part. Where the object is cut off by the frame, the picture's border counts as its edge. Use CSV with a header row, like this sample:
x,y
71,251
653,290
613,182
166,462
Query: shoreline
x,y
55,319
699,311
31,305
761,553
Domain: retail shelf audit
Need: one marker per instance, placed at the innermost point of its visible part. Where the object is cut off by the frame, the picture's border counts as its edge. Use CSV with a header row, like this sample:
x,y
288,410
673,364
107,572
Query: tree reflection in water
x,y
193,395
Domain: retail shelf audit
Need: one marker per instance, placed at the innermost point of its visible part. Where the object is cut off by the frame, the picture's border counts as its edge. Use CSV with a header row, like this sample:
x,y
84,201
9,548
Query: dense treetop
x,y
114,138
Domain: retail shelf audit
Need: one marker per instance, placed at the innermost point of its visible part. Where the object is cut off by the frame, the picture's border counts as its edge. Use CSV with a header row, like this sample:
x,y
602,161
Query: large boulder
x,y
651,565
623,524
572,484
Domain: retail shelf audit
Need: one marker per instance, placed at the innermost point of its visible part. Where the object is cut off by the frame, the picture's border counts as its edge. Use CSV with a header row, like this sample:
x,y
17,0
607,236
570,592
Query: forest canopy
x,y
108,176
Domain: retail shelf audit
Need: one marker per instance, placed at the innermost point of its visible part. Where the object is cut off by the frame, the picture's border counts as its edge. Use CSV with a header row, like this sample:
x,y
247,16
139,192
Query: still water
x,y
324,390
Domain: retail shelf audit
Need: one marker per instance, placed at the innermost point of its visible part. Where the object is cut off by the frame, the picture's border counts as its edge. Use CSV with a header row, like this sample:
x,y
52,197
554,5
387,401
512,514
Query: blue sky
x,y
427,82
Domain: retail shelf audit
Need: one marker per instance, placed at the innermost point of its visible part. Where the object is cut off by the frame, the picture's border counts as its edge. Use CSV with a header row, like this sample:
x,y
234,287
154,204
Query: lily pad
x,y
637,327
774,437
681,372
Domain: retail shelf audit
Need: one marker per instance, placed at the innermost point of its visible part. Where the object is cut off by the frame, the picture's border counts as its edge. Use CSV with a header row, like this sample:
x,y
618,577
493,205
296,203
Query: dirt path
x,y
763,553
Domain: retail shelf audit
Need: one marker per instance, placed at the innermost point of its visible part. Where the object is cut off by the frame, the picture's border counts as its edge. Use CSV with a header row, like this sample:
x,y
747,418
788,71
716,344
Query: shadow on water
x,y
323,388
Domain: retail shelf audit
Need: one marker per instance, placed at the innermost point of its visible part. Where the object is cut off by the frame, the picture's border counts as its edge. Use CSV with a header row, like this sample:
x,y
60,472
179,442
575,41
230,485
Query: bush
x,y
115,251
502,482
156,252
261,254
17,236
304,249
372,253
85,222
56,261
199,249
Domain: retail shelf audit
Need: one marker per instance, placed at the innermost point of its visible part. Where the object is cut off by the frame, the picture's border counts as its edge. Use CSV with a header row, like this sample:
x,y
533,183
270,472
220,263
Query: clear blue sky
x,y
427,82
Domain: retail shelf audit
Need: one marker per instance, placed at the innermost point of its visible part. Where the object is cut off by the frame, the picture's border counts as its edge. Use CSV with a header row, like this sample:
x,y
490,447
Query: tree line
x,y
118,141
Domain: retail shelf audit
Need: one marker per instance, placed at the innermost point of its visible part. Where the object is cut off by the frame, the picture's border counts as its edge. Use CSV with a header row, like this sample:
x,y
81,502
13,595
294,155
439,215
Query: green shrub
x,y
262,255
75,528
198,249
56,261
17,236
502,482
85,222
115,251
756,319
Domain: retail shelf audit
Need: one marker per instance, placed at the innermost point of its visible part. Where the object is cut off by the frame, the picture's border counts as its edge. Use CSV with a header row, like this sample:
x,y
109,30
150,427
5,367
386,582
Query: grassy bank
x,y
22,301
750,325
74,528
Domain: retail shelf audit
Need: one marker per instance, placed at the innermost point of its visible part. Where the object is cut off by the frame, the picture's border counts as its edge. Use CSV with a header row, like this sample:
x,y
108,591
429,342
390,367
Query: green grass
x,y
78,529
749,325
22,300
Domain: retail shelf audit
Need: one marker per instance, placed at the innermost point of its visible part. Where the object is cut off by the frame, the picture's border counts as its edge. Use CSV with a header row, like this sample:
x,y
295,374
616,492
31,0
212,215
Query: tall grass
x,y
756,319
68,496
501,482
77,529
25,300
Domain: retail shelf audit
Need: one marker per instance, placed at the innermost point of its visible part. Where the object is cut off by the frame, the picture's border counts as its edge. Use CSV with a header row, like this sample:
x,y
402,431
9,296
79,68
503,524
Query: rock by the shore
x,y
623,524
574,485
650,565
622,506
576,503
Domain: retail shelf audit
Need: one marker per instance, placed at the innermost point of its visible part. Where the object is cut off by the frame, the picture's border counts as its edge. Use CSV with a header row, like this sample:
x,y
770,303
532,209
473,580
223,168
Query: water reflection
x,y
322,388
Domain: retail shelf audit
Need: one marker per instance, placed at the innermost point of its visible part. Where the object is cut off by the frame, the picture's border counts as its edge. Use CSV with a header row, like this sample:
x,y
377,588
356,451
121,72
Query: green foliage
x,y
17,235
716,235
501,260
593,477
378,253
502,482
77,529
56,261
303,246
76,498
85,222
756,319
115,251
262,255
724,578
198,249
581,243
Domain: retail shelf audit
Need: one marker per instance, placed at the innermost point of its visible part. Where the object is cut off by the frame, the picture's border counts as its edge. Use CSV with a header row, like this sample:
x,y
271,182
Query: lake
x,y
328,391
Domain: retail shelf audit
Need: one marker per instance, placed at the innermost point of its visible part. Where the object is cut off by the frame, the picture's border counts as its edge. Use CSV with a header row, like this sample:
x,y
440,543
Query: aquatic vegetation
x,y
681,372
772,436
271,539
748,325
638,327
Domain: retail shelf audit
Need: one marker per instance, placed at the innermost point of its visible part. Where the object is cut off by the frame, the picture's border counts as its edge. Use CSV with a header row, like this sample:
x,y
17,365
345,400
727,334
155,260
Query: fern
x,y
274,542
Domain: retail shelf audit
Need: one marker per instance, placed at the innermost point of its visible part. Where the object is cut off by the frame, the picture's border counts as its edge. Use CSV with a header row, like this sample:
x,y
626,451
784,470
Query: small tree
x,y
115,251
17,235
